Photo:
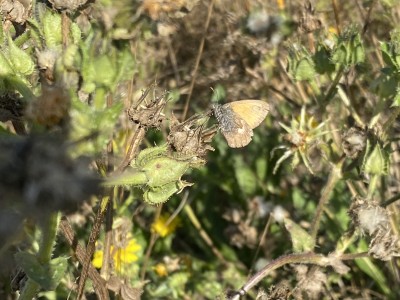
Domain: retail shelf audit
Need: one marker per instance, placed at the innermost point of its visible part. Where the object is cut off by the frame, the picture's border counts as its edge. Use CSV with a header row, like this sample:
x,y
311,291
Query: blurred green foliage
x,y
84,78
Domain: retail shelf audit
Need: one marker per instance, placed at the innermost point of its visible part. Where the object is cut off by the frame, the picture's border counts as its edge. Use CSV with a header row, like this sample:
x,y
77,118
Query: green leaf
x,y
219,93
369,268
339,55
322,61
105,71
377,162
301,240
396,100
5,66
261,167
51,23
164,170
305,70
87,120
47,276
245,177
21,61
387,55
161,194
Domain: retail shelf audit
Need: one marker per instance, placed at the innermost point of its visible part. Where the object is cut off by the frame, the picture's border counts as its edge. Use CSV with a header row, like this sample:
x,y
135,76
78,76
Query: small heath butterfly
x,y
238,119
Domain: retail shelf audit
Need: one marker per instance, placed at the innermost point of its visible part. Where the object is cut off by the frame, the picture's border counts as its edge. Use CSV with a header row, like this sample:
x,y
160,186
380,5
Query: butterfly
x,y
238,119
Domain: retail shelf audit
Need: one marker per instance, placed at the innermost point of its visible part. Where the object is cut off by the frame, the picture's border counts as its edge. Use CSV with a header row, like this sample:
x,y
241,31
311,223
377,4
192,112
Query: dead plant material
x,y
69,5
373,219
16,11
162,9
148,114
308,21
190,137
354,142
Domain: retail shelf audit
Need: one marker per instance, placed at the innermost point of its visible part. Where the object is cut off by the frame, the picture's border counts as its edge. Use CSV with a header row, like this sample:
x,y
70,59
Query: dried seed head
x,y
308,21
190,137
148,113
374,220
69,5
311,282
354,141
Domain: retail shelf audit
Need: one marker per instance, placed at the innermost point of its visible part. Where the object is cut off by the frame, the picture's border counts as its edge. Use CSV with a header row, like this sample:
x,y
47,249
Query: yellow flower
x,y
97,260
121,256
126,255
160,226
161,270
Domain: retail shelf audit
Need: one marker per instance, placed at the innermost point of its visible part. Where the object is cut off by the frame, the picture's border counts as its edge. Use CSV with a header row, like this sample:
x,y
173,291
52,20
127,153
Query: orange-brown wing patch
x,y
252,111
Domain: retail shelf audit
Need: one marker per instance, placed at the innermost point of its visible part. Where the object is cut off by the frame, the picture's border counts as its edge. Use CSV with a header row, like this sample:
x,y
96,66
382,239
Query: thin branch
x,y
301,258
198,58
91,246
136,140
80,253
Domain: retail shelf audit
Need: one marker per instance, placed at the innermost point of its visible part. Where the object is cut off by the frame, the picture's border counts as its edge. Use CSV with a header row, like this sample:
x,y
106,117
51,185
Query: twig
x,y
198,58
136,140
301,258
91,246
80,253
367,19
262,241
336,12
391,200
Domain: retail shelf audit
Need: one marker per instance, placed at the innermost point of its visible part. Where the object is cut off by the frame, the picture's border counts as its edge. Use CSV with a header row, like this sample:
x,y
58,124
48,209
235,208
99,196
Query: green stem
x,y
345,242
49,233
128,178
372,186
335,82
99,98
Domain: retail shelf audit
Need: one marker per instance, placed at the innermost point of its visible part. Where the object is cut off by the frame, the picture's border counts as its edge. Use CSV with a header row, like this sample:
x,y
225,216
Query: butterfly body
x,y
238,119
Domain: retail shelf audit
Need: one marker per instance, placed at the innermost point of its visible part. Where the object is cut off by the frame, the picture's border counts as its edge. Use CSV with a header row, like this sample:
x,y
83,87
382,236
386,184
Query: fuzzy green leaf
x,y
48,276
21,61
51,23
305,70
301,240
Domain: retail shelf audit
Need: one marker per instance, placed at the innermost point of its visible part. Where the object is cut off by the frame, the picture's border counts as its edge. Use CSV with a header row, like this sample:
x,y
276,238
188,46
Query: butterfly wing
x,y
252,111
238,136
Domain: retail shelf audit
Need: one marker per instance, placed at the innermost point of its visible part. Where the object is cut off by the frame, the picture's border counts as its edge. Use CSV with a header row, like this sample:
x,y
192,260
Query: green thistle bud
x,y
376,161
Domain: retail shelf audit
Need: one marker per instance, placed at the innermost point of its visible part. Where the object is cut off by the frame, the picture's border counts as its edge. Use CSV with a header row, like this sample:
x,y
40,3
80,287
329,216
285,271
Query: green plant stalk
x,y
135,179
49,233
99,98
334,176
335,82
344,243
372,187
